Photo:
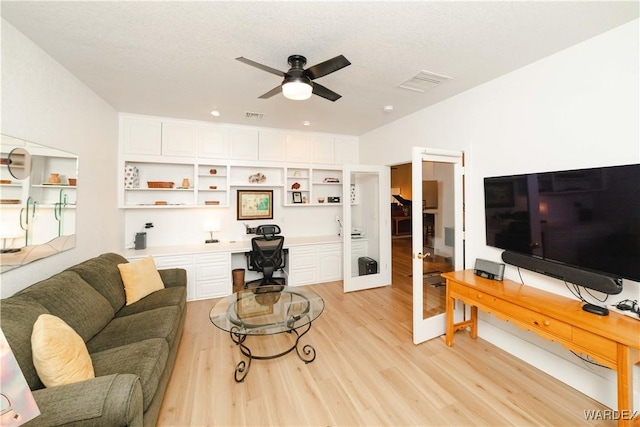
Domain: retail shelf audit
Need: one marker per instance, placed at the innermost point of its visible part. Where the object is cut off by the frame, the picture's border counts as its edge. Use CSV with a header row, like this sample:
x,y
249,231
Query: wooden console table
x,y
612,340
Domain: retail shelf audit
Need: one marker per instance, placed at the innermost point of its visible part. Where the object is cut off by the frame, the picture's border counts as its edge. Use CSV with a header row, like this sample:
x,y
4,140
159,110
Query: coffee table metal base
x,y
306,353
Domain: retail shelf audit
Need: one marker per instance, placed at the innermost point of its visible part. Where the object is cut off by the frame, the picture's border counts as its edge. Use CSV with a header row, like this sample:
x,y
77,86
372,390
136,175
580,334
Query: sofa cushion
x,y
146,359
140,278
176,296
103,274
69,297
17,316
161,322
59,353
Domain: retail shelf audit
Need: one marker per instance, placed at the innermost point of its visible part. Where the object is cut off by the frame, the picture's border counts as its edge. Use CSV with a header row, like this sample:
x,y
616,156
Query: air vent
x,y
253,116
423,81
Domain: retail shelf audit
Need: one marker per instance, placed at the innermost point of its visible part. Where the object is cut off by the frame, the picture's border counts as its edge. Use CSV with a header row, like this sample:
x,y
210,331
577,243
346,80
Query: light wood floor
x,y
367,373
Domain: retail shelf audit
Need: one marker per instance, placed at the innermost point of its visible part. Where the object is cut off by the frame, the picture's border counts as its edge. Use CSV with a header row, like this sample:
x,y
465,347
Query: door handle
x,y
419,255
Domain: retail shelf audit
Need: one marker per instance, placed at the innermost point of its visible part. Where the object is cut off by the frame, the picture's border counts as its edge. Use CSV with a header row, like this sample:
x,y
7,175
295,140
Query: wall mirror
x,y
38,187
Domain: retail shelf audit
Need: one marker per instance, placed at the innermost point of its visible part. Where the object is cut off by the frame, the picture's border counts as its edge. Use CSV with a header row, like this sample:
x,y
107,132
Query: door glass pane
x,y
437,233
365,223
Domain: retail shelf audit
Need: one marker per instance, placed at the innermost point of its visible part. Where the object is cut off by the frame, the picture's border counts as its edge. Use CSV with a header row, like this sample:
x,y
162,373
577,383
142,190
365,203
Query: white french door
x,y
428,327
366,225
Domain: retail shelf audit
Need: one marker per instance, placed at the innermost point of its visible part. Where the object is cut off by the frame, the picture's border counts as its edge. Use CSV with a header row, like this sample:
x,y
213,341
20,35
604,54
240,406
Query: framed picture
x,y
255,204
499,194
297,197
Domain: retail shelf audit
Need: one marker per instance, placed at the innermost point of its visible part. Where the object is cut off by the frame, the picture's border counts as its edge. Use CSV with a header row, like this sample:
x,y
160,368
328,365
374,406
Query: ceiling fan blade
x,y
326,67
262,67
276,90
322,91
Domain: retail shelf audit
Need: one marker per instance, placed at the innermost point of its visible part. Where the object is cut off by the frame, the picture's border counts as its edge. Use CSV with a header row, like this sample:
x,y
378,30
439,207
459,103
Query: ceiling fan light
x,y
297,90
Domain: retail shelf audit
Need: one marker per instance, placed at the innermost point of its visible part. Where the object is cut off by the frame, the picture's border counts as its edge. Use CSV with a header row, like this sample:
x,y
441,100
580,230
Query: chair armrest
x,y
173,277
111,400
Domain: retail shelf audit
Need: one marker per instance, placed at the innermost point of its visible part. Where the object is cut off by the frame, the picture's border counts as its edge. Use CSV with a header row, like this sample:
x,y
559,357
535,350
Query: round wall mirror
x,y
19,163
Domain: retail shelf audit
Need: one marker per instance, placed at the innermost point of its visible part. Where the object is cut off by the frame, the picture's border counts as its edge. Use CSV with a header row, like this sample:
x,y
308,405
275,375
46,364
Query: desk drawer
x,y
458,290
529,319
596,345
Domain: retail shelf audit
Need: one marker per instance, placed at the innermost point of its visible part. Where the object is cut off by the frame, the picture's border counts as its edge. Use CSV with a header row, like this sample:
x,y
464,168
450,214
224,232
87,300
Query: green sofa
x,y
133,348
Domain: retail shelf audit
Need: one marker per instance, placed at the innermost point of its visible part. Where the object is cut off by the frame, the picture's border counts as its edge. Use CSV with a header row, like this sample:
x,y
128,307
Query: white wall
x,y
43,103
577,108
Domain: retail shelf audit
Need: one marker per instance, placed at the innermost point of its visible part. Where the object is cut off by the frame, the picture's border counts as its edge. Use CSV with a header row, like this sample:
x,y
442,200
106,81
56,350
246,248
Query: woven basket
x,y
160,184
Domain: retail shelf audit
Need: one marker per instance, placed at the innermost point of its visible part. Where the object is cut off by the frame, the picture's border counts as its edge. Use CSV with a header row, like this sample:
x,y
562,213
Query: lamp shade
x,y
297,90
10,230
211,224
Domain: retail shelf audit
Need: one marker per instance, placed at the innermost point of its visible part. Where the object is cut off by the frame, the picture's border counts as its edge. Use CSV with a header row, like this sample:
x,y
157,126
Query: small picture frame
x,y
297,197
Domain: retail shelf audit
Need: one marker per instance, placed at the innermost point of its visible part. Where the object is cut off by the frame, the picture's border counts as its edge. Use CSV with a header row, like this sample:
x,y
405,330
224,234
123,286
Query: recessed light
x,y
387,108
306,123
215,113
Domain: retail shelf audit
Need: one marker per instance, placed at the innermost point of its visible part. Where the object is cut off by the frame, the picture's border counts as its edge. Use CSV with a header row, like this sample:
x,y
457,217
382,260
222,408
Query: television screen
x,y
586,218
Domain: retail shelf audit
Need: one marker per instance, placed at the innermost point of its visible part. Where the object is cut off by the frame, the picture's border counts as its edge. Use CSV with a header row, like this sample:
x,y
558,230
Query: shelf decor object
x,y
297,197
255,204
257,178
160,184
131,177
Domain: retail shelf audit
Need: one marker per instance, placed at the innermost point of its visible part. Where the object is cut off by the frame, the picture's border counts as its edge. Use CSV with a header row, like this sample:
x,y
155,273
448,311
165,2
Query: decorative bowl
x,y
160,184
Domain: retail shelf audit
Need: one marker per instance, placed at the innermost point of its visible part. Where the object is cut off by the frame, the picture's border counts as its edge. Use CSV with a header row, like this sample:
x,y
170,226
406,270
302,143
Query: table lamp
x,y
10,230
210,225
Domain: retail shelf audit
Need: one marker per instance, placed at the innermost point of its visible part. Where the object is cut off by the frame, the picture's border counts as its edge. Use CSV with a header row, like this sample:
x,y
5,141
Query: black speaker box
x,y
588,279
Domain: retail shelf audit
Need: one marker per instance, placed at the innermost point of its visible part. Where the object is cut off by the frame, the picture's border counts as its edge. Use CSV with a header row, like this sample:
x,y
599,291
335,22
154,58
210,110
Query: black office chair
x,y
267,255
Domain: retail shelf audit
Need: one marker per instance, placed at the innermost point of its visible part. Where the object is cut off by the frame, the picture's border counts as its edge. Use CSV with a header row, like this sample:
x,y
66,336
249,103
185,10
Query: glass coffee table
x,y
268,310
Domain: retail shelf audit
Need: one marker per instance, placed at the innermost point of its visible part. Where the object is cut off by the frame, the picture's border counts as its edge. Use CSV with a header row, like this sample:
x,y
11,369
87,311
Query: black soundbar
x,y
596,281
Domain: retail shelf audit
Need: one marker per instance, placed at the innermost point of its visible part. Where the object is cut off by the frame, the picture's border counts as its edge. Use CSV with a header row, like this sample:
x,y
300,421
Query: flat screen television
x,y
584,218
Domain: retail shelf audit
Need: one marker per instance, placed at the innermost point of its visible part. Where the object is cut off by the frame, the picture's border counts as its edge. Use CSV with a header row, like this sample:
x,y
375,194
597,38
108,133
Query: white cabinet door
x,y
244,144
323,149
302,270
212,142
298,149
141,135
329,262
213,275
346,151
178,139
273,146
179,261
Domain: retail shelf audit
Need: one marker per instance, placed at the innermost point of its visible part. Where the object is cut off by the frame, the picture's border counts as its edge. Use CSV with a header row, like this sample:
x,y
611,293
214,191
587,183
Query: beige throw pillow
x,y
60,355
140,278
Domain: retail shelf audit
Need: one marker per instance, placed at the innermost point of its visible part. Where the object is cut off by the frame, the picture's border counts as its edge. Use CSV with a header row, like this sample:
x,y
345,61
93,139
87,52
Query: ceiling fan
x,y
297,83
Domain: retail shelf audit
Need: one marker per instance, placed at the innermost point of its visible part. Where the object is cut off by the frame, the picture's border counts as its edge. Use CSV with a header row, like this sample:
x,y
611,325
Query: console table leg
x,y
449,318
474,322
625,386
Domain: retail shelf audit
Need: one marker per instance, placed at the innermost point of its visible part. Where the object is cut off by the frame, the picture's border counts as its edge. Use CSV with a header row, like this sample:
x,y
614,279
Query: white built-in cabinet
x,y
141,135
206,161
212,142
315,264
273,146
186,261
212,275
244,144
155,136
178,139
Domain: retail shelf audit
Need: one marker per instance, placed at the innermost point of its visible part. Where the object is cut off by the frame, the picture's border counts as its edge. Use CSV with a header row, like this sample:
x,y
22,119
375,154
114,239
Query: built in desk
x,y
613,340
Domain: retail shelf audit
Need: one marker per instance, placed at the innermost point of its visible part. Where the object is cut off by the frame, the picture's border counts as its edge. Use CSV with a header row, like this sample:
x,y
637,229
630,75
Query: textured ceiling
x,y
177,59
